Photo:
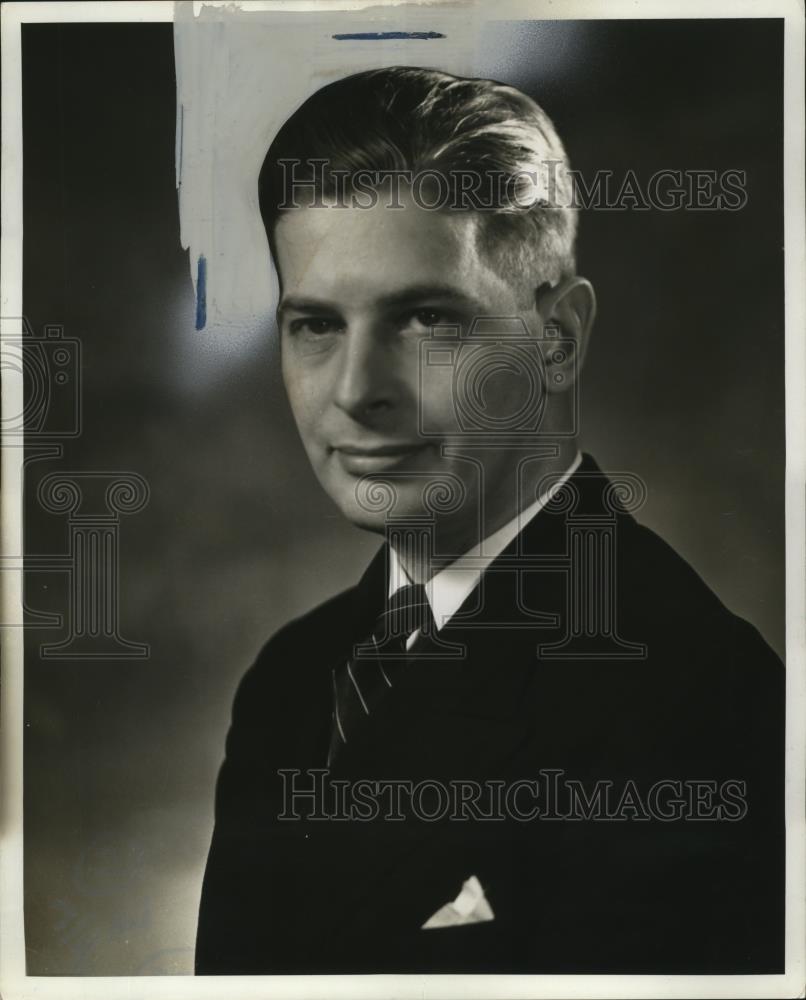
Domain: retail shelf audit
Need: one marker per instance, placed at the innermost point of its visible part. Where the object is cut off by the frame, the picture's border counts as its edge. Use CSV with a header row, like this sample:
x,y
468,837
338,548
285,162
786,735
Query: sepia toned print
x,y
400,566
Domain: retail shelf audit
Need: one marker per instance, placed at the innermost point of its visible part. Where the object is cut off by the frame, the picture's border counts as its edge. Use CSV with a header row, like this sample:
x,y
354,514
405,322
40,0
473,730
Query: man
x,y
608,736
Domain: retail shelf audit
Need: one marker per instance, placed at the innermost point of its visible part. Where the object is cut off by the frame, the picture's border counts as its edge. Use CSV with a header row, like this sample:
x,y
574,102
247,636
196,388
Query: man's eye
x,y
430,317
316,326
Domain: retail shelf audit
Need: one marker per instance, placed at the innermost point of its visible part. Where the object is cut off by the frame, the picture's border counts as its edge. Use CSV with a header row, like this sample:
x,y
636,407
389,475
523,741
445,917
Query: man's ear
x,y
567,311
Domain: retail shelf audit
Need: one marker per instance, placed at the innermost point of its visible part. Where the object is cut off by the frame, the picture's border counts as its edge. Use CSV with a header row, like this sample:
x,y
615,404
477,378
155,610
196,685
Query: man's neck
x,y
451,537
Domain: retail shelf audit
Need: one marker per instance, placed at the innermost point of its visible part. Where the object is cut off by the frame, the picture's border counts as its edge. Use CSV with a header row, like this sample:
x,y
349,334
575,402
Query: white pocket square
x,y
469,907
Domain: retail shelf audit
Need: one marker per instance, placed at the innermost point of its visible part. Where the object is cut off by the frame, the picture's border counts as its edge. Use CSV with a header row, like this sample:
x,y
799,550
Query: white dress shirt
x,y
448,589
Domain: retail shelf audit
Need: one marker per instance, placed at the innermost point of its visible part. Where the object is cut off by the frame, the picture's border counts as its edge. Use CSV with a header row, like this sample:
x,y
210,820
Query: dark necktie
x,y
363,681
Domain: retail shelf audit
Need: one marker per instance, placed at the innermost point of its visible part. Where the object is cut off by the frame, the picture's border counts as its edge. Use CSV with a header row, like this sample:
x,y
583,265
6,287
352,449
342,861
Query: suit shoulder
x,y
709,666
325,618
299,637
658,586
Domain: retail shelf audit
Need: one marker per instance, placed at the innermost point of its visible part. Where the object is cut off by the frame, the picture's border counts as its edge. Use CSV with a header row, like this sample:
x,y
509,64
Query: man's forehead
x,y
332,221
381,249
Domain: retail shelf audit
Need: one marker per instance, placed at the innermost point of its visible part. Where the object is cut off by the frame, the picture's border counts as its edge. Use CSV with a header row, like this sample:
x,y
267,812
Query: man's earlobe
x,y
567,311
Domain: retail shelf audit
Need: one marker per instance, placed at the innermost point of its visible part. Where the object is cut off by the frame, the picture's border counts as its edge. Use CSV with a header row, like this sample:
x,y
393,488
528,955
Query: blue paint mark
x,y
181,143
201,293
380,36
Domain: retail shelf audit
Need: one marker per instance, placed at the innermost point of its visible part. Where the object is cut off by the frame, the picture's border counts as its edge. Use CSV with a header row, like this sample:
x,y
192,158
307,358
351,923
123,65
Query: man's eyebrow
x,y
421,292
401,297
292,303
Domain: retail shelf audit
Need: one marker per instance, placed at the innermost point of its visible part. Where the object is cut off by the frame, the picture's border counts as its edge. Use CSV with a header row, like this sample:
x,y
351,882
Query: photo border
x,y
13,981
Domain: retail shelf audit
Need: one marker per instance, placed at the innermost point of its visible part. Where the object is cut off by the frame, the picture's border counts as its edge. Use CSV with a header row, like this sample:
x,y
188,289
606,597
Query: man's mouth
x,y
361,460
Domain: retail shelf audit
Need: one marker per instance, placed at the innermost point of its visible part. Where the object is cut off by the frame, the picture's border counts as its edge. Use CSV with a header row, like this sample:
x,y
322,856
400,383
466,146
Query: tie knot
x,y
407,610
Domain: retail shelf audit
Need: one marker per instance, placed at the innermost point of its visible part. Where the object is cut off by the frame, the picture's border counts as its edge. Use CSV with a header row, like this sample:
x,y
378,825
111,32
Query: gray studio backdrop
x,y
683,386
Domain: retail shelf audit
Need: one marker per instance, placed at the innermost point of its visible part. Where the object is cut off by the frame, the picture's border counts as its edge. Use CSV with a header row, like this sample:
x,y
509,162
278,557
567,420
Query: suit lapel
x,y
477,717
469,715
307,734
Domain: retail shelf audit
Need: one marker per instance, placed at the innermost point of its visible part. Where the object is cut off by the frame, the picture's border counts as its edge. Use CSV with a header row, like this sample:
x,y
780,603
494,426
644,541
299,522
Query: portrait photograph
x,y
403,499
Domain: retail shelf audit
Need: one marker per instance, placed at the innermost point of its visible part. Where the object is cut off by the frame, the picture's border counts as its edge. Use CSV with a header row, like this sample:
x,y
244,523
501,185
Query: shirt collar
x,y
448,589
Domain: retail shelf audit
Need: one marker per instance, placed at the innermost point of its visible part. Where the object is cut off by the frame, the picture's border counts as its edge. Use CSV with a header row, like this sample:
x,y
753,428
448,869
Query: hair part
x,y
414,120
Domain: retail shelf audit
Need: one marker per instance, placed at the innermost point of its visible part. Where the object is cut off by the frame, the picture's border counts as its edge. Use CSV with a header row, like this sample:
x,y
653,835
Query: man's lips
x,y
363,459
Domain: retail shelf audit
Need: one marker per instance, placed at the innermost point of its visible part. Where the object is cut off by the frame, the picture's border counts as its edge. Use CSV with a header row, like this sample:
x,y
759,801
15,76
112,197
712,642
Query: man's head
x,y
402,199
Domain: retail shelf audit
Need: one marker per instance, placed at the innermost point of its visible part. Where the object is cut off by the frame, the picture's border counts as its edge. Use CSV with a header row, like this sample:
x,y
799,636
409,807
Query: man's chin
x,y
376,504
378,521
366,522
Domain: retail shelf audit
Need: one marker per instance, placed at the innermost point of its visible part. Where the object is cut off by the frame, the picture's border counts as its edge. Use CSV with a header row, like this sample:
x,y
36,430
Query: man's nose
x,y
367,379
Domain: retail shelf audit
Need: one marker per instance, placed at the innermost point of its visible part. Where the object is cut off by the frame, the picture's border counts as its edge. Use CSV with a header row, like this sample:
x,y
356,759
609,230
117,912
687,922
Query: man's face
x,y
361,290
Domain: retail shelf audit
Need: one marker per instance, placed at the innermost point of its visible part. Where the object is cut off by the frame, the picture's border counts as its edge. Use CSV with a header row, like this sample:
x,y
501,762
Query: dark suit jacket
x,y
686,692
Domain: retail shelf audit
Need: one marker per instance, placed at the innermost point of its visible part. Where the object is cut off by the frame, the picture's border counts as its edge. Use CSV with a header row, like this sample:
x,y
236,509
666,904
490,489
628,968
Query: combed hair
x,y
413,119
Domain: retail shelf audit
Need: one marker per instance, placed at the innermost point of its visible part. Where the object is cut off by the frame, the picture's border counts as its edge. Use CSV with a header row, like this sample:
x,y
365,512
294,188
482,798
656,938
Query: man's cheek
x,y
436,404
292,383
305,403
